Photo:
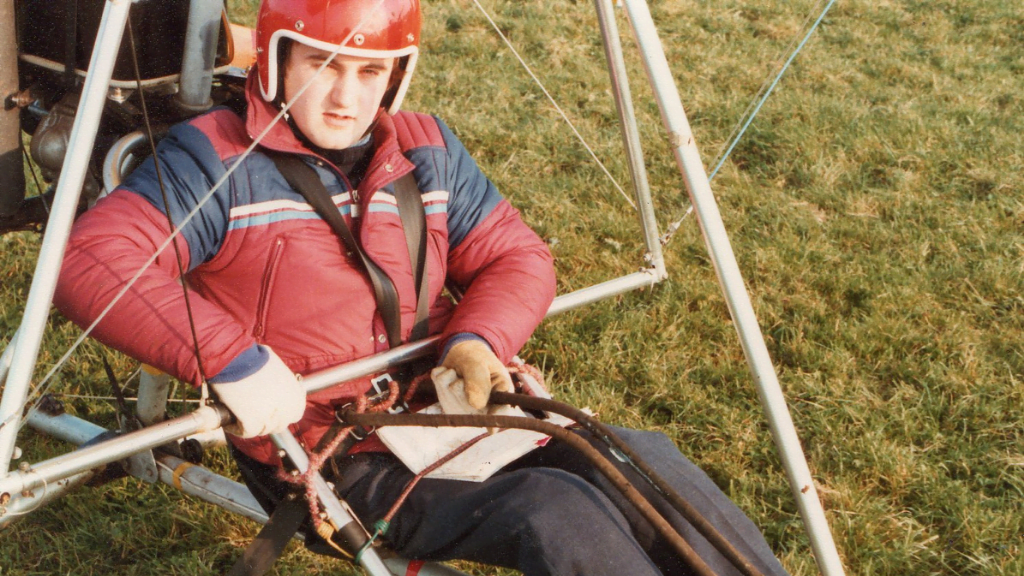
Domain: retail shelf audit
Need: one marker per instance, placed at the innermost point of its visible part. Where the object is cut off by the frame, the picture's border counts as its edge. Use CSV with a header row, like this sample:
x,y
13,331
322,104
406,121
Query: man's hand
x,y
480,370
265,402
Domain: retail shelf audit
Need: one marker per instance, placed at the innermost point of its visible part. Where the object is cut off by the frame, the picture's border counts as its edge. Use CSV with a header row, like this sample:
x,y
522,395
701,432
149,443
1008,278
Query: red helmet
x,y
363,28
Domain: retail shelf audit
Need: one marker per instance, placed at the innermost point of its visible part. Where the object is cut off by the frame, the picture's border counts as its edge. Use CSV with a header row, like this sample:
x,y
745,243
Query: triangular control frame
x,y
31,485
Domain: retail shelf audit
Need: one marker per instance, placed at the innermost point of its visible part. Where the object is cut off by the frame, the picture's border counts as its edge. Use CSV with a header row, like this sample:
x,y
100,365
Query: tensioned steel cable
x,y
555,104
167,205
754,107
768,92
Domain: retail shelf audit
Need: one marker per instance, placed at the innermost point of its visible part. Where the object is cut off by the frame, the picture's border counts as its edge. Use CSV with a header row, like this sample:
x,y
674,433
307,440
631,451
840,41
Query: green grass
x,y
874,207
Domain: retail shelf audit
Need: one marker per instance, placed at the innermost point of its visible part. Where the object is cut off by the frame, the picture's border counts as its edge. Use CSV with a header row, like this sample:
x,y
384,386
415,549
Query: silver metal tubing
x,y
630,133
153,389
421,349
189,478
772,399
204,17
65,203
50,471
608,289
120,158
123,84
213,488
65,427
203,422
22,504
8,356
337,514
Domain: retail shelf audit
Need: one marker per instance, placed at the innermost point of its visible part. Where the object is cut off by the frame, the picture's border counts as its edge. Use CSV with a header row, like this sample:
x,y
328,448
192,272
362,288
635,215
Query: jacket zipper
x,y
265,288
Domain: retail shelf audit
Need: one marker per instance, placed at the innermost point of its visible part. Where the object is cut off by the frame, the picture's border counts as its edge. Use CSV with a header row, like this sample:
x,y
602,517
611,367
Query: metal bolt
x,y
299,25
381,338
18,100
411,38
359,39
24,466
389,167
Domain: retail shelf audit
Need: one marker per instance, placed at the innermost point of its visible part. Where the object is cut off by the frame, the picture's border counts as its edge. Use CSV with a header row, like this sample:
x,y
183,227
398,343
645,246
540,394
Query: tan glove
x,y
480,370
265,402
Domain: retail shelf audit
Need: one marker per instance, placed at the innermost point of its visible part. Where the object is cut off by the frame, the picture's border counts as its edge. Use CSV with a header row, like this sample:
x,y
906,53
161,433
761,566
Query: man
x,y
274,292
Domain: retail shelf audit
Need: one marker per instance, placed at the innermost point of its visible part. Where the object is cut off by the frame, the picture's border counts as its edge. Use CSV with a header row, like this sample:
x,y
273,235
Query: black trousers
x,y
548,513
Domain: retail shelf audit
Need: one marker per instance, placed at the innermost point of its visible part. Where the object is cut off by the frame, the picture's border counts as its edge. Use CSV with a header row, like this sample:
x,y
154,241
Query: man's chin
x,y
335,141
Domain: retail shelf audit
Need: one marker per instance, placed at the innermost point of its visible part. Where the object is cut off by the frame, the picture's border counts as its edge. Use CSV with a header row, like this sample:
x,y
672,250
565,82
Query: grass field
x,y
875,208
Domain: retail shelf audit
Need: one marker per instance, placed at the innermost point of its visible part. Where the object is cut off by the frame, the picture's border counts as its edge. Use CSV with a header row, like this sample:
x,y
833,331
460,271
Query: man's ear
x,y
397,73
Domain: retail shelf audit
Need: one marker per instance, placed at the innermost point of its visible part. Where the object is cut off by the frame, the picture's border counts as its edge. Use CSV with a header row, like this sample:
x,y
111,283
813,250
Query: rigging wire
x,y
167,205
35,178
768,92
756,103
555,104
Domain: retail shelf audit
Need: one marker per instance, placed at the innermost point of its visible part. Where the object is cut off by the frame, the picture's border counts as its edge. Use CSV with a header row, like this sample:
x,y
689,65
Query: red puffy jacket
x,y
263,267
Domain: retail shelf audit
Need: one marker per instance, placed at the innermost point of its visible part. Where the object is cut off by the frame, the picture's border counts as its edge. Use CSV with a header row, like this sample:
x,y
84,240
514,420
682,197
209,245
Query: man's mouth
x,y
337,119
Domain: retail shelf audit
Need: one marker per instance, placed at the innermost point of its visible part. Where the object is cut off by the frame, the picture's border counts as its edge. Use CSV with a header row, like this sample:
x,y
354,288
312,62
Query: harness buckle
x,y
381,389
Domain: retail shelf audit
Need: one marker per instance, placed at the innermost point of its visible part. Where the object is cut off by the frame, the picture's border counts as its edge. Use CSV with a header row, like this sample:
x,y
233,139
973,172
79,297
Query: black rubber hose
x,y
600,462
602,432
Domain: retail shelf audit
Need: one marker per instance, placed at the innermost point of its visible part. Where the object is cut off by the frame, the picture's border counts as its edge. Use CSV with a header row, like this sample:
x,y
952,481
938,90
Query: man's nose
x,y
343,91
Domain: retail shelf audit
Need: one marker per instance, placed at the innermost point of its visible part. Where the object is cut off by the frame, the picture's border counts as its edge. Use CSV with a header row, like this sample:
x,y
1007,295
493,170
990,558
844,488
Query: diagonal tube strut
x,y
731,280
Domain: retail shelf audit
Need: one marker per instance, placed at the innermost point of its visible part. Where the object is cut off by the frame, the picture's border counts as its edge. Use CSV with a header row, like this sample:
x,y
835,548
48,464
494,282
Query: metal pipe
x,y
22,504
65,427
337,514
201,35
630,133
65,204
154,386
201,421
54,469
120,158
8,356
213,488
123,84
191,479
772,399
421,349
12,163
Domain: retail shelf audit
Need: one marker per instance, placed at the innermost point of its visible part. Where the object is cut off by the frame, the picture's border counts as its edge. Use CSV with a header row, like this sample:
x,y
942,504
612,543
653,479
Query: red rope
x,y
318,459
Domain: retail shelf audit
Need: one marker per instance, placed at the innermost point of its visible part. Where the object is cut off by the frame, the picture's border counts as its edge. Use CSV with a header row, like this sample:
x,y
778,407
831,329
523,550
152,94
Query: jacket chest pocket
x,y
267,287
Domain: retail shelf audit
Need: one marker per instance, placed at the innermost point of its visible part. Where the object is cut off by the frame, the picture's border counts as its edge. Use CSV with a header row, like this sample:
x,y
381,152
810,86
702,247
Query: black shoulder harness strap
x,y
288,516
304,179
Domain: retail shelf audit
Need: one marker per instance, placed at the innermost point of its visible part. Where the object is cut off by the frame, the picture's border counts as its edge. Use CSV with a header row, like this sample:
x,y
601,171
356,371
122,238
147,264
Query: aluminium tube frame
x,y
58,227
197,63
630,134
191,479
201,420
731,281
338,514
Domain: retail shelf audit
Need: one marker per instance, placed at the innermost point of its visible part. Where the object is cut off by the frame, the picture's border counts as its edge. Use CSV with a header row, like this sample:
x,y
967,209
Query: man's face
x,y
341,103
